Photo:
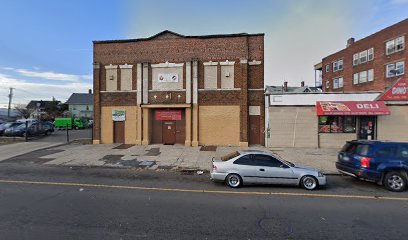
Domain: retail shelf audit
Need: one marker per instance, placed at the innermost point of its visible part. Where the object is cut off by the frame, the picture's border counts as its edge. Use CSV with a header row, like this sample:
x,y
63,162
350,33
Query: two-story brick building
x,y
176,89
370,64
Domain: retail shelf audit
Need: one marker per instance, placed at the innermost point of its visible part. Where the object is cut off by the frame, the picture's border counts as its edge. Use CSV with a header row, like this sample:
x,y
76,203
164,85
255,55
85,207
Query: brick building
x,y
370,64
176,89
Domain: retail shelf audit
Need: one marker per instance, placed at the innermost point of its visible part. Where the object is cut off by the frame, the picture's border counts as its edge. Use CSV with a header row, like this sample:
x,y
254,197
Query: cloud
x,y
49,75
25,91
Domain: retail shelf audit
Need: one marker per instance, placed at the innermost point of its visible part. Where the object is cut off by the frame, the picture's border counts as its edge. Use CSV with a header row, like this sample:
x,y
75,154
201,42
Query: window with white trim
x,y
327,84
395,45
355,59
355,78
363,56
363,77
338,65
370,75
335,83
341,82
370,54
394,69
327,68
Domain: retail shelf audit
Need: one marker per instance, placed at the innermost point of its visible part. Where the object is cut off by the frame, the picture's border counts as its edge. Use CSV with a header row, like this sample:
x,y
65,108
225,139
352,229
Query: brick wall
x,y
376,41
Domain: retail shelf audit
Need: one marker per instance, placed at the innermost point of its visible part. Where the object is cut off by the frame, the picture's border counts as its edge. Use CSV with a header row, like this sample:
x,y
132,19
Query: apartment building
x,y
373,63
176,89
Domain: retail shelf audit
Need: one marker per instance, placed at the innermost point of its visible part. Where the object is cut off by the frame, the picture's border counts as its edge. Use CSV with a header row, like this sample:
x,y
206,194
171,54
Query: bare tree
x,y
23,110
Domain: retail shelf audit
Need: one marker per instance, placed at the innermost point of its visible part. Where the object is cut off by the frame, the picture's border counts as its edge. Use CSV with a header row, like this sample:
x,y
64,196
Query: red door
x,y
169,132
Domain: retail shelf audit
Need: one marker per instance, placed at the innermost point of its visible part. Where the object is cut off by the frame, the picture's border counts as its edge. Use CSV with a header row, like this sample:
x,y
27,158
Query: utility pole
x,y
9,104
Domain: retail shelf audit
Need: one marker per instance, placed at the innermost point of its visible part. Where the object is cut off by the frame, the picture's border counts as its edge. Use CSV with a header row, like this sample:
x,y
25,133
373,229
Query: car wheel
x,y
395,181
309,182
233,180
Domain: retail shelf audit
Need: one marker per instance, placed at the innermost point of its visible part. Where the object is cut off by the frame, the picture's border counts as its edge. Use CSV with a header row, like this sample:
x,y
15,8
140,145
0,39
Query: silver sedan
x,y
264,168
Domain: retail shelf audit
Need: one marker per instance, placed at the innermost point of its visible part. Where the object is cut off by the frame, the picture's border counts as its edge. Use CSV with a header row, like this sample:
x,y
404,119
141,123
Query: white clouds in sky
x,y
49,75
24,90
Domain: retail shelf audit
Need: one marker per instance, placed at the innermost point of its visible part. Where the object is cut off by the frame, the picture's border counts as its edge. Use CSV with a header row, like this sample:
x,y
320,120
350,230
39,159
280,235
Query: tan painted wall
x,y
210,77
126,79
292,127
107,124
219,125
227,82
393,127
335,140
167,86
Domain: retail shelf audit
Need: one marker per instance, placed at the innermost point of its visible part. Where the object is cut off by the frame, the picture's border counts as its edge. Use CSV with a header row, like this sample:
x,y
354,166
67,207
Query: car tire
x,y
233,180
309,182
395,181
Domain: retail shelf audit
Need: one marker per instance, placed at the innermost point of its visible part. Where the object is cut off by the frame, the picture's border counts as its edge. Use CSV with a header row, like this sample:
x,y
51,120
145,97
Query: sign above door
x,y
168,115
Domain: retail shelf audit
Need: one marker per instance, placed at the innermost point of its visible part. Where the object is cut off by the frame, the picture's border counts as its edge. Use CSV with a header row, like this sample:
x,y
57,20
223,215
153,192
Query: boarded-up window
x,y
227,76
126,77
210,77
111,77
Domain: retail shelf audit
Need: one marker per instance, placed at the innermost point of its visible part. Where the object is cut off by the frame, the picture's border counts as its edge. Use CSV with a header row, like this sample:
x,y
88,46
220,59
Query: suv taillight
x,y
365,162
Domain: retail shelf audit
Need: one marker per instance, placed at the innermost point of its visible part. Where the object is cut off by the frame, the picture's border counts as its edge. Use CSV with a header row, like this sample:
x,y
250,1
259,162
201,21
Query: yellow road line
x,y
205,191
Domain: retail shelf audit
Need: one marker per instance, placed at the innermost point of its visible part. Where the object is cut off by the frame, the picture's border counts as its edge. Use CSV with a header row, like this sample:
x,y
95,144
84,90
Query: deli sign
x,y
168,115
352,108
397,92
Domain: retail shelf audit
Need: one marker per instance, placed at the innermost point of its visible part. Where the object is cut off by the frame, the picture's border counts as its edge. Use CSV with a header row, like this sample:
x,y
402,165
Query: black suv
x,y
383,162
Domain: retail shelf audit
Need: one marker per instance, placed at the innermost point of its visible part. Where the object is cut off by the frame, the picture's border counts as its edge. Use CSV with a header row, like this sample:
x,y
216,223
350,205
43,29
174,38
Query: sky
x,y
46,46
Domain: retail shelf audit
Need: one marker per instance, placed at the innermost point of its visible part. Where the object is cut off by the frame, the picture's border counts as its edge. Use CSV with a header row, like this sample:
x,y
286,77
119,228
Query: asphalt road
x,y
45,202
61,135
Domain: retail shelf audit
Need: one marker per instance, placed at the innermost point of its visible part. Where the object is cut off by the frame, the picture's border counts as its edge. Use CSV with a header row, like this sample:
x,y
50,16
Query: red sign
x,y
352,108
168,115
397,92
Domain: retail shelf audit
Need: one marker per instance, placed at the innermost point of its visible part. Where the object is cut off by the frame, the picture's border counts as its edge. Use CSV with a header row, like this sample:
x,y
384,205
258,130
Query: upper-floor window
x,y
364,76
338,83
327,68
363,56
395,45
338,65
394,69
327,84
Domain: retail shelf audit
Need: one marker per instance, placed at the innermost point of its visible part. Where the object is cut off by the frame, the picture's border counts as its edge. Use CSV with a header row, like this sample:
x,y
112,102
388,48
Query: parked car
x,y
385,163
7,125
49,127
260,167
33,129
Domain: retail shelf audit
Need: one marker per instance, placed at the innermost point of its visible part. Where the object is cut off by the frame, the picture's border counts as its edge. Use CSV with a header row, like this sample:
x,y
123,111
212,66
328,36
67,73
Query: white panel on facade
x,y
210,77
227,76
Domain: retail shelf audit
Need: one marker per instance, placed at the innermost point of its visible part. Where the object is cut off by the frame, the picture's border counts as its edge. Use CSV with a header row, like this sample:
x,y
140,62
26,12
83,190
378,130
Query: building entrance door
x,y
169,132
254,129
118,132
367,128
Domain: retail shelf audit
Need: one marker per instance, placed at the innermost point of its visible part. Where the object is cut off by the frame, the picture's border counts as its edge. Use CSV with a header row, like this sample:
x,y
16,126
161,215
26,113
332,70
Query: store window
x,y
337,124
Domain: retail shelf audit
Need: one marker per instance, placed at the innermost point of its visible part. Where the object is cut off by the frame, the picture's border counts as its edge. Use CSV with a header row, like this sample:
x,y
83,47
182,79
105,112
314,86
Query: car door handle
x,y
262,170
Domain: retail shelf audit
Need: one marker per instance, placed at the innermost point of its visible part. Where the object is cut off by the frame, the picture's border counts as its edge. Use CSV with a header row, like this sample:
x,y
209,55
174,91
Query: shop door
x,y
169,132
367,128
254,130
118,132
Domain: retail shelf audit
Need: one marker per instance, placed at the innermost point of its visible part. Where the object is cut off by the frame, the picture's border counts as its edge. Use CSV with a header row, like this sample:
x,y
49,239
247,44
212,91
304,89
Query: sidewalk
x,y
15,149
176,157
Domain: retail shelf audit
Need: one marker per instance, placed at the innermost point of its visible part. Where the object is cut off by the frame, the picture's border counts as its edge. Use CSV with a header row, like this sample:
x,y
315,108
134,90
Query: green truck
x,y
70,123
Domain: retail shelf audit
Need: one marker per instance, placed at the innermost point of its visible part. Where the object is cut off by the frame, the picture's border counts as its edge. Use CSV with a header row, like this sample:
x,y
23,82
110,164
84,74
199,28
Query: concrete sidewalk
x,y
15,149
176,157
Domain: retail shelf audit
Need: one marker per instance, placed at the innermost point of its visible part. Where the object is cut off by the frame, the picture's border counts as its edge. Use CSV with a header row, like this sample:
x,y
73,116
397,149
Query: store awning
x,y
351,108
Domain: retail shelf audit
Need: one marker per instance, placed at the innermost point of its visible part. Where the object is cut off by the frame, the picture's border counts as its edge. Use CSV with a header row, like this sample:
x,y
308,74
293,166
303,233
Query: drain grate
x,y
208,148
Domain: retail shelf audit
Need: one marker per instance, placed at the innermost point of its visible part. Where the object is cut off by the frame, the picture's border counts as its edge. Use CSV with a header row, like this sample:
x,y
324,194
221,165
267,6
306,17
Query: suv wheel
x,y
395,181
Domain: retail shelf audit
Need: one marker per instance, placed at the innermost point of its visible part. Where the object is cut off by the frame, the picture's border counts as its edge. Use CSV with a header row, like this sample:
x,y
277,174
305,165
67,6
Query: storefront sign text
x,y
168,115
397,92
118,115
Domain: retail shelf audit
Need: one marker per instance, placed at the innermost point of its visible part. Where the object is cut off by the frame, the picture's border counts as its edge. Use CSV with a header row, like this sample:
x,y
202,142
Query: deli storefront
x,y
328,120
351,117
